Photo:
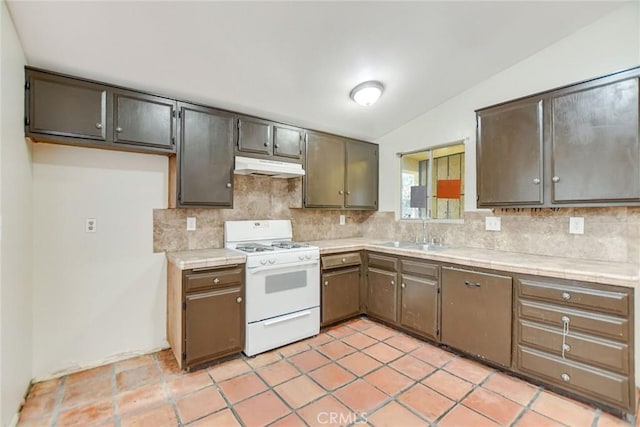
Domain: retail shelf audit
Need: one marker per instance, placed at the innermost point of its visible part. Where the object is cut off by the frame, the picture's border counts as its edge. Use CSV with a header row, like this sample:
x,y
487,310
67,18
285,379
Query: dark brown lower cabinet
x,y
419,305
381,298
340,295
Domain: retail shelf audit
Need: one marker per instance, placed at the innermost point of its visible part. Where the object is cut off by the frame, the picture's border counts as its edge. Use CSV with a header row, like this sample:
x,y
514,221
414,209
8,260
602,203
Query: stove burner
x,y
254,247
289,245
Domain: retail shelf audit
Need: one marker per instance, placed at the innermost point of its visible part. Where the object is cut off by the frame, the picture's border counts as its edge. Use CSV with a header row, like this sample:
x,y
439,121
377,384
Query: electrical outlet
x,y
492,223
90,225
576,225
191,223
343,219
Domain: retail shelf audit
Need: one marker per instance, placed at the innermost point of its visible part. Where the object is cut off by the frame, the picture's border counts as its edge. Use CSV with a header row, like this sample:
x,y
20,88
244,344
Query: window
x,y
433,183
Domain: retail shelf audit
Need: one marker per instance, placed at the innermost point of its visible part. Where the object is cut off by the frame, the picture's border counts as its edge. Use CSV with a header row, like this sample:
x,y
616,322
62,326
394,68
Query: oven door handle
x,y
282,266
287,317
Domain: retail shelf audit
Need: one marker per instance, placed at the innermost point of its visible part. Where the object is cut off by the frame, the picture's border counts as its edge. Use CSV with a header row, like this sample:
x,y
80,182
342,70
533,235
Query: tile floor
x,y
359,373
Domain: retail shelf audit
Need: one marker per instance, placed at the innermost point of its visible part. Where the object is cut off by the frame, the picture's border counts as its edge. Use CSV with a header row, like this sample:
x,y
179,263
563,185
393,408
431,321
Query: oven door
x,y
274,290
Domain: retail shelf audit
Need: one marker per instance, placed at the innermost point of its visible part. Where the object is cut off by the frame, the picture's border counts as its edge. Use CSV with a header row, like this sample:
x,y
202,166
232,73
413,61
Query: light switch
x,y
191,223
492,223
576,225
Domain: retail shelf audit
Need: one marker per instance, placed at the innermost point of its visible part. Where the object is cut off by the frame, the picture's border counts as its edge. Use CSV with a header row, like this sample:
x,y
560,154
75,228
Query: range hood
x,y
272,168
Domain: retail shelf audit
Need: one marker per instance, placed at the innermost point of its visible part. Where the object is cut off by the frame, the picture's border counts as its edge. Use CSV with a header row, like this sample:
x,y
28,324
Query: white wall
x,y
15,246
610,44
103,294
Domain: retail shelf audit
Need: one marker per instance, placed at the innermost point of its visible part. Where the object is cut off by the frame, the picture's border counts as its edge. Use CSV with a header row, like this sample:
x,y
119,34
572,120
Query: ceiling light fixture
x,y
367,93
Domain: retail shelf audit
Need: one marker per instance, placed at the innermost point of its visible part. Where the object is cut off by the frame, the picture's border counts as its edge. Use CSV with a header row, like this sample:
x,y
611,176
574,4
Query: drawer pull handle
x,y
472,284
566,347
566,296
343,260
326,283
239,300
565,377
216,281
565,332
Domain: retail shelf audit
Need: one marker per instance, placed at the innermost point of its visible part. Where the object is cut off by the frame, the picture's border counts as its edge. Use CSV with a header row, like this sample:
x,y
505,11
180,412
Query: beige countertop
x,y
612,273
200,258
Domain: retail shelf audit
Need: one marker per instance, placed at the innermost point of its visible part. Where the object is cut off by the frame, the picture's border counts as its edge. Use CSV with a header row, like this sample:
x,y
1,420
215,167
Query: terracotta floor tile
x,y
359,363
161,416
147,396
88,374
137,377
359,340
383,352
433,355
295,348
388,380
309,360
608,420
493,406
291,420
563,410
360,396
468,370
84,392
533,419
318,340
447,384
326,412
168,364
224,418
278,372
87,415
404,343
512,388
36,422
340,331
201,403
38,406
239,388
189,382
225,370
44,387
262,409
299,391
461,416
426,402
332,376
360,324
412,367
380,332
263,359
133,362
393,415
336,349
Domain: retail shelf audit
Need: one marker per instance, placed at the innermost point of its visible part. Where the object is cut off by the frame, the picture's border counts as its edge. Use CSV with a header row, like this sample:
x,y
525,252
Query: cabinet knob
x,y
403,286
216,280
393,283
536,181
566,348
565,377
118,129
348,193
326,283
343,260
98,125
555,179
276,145
239,300
341,192
566,296
228,185
266,144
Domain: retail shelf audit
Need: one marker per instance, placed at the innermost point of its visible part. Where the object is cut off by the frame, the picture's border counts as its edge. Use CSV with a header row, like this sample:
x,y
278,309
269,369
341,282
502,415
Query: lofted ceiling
x,y
296,62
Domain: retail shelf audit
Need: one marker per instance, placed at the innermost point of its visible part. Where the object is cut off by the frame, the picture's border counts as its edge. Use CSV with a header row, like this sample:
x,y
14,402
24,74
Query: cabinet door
x,y
340,295
66,107
324,180
287,141
205,158
214,324
595,147
419,305
361,175
382,294
143,120
254,135
509,156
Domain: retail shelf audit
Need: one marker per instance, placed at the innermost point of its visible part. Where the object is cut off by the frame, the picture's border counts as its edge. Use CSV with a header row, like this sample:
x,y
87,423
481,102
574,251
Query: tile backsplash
x,y
611,234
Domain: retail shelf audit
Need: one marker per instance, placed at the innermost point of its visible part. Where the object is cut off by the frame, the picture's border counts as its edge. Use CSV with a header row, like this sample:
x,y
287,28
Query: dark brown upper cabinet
x,y
265,139
204,163
341,173
141,119
573,146
73,111
254,136
287,141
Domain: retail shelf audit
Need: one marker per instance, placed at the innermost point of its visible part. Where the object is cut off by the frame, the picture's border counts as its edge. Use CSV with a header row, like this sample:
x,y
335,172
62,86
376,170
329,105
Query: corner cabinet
x,y
341,173
574,146
205,313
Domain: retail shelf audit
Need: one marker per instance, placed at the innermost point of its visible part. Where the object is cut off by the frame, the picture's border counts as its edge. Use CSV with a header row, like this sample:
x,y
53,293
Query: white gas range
x,y
282,282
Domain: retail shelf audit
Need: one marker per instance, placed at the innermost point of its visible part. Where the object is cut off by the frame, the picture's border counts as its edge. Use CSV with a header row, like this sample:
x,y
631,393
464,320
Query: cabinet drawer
x,y
195,281
583,348
341,260
385,262
575,296
585,380
584,321
420,268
